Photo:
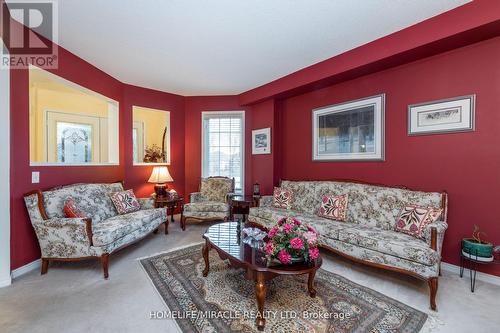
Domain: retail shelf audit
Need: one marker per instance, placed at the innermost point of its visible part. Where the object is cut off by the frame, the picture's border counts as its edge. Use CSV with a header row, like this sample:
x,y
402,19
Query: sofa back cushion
x,y
92,199
370,205
216,188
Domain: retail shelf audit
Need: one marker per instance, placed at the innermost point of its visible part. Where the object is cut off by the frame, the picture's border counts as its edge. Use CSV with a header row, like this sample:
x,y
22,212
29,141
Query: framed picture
x,y
351,131
443,116
261,141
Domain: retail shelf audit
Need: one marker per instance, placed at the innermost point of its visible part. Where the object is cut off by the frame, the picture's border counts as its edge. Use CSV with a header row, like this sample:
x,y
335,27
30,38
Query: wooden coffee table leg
x,y
260,294
205,250
310,283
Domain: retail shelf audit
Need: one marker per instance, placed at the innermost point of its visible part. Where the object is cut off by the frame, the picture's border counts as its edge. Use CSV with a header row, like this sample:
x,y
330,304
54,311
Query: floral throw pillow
x,y
334,207
71,210
282,198
413,219
125,201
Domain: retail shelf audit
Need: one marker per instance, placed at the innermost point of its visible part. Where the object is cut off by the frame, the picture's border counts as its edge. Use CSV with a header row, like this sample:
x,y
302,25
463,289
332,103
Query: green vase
x,y
472,247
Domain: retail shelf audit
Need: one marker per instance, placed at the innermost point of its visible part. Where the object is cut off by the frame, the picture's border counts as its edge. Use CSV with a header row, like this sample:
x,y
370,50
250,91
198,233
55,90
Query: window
x,y
69,124
74,142
223,142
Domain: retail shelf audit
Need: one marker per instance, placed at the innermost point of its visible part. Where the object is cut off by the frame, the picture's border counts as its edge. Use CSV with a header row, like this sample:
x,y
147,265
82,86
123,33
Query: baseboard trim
x,y
493,279
5,282
26,268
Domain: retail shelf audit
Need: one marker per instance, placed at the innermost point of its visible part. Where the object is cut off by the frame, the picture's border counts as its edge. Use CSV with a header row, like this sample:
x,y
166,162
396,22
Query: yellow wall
x,y
154,124
46,95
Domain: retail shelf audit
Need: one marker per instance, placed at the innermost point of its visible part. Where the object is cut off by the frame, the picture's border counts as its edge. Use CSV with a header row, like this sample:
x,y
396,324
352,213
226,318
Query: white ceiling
x,y
216,47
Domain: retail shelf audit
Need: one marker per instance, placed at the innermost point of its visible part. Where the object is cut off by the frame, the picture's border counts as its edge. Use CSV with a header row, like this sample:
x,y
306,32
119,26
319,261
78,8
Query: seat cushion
x,y
272,214
206,206
119,226
325,227
389,242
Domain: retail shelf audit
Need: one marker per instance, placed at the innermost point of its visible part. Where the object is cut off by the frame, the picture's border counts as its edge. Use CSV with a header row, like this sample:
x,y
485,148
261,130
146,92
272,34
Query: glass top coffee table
x,y
227,239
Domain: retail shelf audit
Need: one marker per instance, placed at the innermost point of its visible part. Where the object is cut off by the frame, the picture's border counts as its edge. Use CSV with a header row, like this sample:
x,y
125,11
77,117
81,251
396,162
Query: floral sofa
x,y
97,236
368,234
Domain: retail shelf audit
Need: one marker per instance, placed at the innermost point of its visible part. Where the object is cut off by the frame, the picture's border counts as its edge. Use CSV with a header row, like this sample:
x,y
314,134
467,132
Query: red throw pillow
x,y
334,207
125,202
71,210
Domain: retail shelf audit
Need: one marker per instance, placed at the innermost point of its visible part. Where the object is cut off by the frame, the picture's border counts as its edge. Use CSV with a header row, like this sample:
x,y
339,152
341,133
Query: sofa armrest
x,y
440,228
196,197
266,201
146,203
64,237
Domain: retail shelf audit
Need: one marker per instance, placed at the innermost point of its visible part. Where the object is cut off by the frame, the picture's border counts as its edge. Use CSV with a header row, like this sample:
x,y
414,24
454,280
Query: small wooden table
x,y
240,204
226,239
169,204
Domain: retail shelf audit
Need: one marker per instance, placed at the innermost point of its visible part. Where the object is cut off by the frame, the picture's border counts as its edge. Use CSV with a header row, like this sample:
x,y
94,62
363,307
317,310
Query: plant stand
x,y
472,262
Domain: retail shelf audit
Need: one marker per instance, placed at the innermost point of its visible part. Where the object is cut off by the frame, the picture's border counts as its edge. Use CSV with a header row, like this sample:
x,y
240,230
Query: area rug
x,y
224,301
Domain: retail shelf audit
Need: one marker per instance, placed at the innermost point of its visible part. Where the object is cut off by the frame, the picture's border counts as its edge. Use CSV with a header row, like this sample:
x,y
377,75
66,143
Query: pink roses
x,y
287,228
314,253
284,257
272,232
296,243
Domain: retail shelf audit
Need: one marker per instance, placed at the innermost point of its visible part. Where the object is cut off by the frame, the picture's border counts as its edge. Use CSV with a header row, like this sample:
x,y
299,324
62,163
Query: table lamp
x,y
159,177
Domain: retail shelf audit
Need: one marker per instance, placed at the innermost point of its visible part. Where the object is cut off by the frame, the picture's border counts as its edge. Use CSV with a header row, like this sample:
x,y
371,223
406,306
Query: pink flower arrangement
x,y
290,240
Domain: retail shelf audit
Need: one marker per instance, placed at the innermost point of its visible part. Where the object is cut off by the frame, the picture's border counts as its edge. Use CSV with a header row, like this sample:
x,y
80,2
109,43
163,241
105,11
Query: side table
x,y
240,204
170,204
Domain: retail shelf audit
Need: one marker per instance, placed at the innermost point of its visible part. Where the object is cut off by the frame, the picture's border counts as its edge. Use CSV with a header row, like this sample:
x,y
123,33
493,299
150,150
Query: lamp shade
x,y
160,175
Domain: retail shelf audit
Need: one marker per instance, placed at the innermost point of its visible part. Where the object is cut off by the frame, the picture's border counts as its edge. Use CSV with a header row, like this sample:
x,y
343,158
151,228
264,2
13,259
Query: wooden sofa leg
x,y
183,223
45,266
166,226
105,264
433,287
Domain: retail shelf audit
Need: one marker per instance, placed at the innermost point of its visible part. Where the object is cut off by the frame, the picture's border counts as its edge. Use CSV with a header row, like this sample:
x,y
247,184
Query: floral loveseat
x,y
100,234
368,234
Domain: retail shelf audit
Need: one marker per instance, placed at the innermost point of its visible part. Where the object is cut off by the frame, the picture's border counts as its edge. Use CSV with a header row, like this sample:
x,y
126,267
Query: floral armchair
x,y
210,203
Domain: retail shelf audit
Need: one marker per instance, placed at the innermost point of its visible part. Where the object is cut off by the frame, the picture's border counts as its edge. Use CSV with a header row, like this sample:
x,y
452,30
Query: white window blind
x,y
223,146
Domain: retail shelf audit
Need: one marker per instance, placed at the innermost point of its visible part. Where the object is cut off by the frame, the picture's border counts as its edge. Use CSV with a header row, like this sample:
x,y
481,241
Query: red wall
x,y
266,168
193,107
464,164
136,176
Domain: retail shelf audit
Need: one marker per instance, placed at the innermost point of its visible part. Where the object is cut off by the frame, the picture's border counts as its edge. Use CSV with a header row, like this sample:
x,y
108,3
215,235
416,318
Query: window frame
x,y
207,114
